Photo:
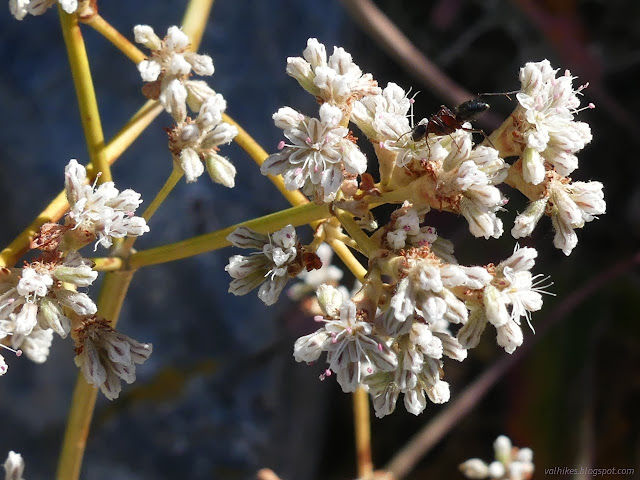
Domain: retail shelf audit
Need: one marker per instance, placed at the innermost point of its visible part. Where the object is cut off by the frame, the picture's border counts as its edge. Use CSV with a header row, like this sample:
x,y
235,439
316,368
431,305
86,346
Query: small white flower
x,y
170,65
353,351
336,80
404,228
571,206
105,356
20,8
101,213
195,144
319,156
268,268
13,466
510,463
383,117
512,294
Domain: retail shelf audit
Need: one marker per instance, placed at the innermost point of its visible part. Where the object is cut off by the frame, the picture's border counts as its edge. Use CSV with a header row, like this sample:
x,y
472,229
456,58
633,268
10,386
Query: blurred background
x,y
221,395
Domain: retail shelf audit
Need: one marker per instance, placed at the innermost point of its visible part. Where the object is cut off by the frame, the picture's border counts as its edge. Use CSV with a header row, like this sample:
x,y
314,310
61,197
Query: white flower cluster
x,y
194,144
546,137
270,267
402,349
320,156
168,69
510,463
335,80
101,213
105,356
20,8
42,297
13,466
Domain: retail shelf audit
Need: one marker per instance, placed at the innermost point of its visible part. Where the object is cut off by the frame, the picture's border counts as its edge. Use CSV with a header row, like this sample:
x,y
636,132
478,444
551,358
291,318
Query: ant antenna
x,y
506,94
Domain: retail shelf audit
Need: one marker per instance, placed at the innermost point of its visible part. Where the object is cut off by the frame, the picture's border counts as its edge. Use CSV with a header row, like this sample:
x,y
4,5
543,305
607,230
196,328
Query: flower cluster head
x,y
546,130
105,356
101,213
36,294
194,143
354,351
278,258
321,154
513,293
20,8
168,69
336,80
13,466
511,463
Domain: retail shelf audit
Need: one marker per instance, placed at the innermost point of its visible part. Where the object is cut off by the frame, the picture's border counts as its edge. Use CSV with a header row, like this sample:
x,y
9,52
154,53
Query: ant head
x,y
471,109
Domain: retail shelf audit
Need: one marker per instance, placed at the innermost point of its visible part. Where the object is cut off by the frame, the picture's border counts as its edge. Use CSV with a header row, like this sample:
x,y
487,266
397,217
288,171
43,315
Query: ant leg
x,y
478,130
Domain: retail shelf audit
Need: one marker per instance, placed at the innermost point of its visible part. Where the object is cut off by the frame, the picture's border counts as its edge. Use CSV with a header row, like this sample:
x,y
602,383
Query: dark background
x,y
221,395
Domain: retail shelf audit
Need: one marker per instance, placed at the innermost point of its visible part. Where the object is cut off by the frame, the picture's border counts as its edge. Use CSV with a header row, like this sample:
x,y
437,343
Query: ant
x,y
446,121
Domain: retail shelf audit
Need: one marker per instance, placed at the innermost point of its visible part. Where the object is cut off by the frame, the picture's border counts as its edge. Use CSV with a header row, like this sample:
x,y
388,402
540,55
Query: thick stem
x,y
112,294
362,426
295,216
89,114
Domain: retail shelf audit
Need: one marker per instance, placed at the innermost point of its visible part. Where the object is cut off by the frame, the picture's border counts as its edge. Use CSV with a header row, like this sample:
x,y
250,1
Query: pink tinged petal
x,y
117,350
349,377
89,361
308,348
244,237
331,181
276,163
111,386
270,290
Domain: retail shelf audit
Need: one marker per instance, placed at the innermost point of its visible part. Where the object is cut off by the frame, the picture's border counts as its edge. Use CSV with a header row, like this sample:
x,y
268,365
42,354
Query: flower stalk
x,y
87,102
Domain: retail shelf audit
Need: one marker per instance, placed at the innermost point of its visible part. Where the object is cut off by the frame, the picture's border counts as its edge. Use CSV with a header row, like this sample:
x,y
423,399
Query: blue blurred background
x,y
221,395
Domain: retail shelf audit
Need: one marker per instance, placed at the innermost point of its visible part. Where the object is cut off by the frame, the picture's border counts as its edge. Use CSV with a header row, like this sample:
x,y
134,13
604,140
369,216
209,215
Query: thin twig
x,y
408,456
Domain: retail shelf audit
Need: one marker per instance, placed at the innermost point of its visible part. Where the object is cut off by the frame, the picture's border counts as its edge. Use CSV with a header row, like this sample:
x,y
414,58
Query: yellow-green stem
x,y
255,151
89,114
169,185
352,228
115,37
363,434
114,289
108,264
295,216
112,295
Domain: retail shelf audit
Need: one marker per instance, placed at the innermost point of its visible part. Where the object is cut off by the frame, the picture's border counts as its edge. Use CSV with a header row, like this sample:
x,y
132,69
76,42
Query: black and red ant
x,y
446,121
